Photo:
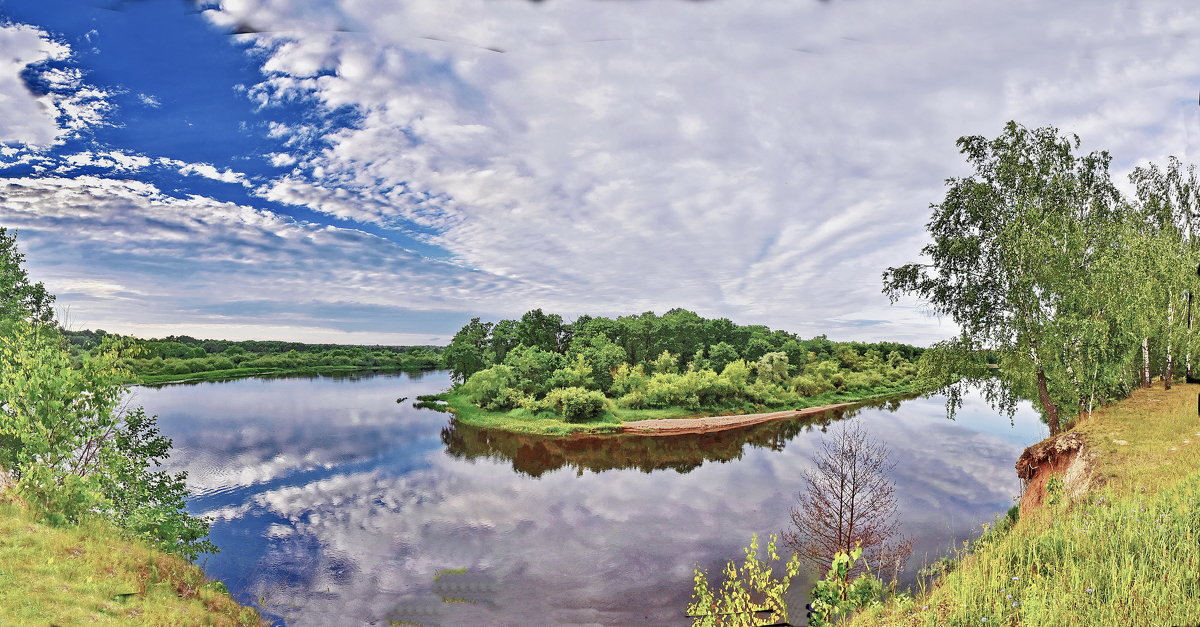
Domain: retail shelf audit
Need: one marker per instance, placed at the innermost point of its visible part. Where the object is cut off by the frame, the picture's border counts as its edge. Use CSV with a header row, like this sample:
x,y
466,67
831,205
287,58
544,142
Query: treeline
x,y
181,355
680,359
1083,293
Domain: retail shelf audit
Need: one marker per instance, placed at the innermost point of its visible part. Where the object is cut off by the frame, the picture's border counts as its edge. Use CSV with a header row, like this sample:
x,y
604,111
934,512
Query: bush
x,y
633,400
490,388
576,404
76,450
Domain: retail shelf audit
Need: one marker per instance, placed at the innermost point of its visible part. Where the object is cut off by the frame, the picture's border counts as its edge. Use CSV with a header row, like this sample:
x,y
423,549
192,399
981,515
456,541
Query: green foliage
x,y
181,357
20,299
491,388
772,367
665,363
1054,490
747,590
76,451
578,373
1075,291
648,362
575,404
604,357
532,368
838,594
720,355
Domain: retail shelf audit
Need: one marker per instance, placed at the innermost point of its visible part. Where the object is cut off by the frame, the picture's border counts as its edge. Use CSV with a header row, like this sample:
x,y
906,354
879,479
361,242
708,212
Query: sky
x,y
372,171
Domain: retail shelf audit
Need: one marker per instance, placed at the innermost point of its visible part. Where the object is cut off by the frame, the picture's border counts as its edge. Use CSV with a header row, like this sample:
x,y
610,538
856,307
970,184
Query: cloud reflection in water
x,y
337,504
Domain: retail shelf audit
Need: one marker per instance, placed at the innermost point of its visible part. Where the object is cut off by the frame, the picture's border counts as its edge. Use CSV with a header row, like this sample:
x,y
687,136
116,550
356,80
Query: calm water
x,y
336,505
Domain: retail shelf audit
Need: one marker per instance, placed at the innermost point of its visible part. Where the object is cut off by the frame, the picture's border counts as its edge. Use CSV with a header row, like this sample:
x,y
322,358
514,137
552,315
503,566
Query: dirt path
x,y
676,426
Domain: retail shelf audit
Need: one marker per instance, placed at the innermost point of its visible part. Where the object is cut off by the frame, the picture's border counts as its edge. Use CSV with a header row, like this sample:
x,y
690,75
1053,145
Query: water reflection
x,y
536,455
336,504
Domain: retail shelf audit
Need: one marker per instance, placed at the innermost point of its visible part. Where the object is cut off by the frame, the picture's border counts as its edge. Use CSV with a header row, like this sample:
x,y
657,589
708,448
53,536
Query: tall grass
x,y
89,575
1127,554
1116,560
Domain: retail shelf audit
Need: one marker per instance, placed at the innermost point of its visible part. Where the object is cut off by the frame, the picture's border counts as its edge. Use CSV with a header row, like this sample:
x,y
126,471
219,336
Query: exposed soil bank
x,y
678,426
1064,456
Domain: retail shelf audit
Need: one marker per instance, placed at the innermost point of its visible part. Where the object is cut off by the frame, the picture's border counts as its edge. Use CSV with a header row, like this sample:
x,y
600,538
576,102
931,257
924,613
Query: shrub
x,y
633,400
577,374
486,387
75,448
628,378
576,404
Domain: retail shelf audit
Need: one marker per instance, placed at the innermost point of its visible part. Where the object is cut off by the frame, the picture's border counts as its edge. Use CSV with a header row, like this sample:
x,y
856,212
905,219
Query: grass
x,y
238,373
88,574
524,421
548,423
1126,554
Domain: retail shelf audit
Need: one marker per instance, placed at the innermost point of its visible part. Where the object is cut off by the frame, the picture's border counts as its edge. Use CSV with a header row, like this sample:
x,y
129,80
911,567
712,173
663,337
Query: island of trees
x,y
540,374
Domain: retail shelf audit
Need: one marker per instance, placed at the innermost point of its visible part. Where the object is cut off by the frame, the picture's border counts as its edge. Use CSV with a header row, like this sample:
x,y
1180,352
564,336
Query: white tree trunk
x,y
1168,371
1145,362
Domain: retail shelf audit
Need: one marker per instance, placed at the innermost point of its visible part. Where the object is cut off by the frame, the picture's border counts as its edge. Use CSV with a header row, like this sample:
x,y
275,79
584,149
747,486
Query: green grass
x,y
524,421
547,423
88,574
1126,554
238,373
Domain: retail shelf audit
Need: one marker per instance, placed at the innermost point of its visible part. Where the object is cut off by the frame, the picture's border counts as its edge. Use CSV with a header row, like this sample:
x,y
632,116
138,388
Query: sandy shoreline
x,y
676,426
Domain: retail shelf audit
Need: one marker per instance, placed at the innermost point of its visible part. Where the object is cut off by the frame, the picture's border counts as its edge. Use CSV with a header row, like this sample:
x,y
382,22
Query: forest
x,y
181,356
581,370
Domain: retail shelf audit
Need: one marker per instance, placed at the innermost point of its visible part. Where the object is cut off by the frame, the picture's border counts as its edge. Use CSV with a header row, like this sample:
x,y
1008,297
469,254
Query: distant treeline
x,y
679,359
181,354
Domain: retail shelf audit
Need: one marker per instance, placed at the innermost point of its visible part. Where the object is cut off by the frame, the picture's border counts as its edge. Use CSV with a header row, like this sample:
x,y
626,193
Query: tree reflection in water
x,y
534,455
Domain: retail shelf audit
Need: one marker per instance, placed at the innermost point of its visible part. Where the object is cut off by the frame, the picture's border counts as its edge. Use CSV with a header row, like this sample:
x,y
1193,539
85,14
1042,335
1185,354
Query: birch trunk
x,y
1048,405
1145,362
1168,370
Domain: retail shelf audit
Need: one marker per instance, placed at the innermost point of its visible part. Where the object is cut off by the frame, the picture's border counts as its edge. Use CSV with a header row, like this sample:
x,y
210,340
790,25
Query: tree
x,y
66,433
772,367
848,503
720,355
1003,240
20,299
75,448
604,356
465,354
1167,216
540,330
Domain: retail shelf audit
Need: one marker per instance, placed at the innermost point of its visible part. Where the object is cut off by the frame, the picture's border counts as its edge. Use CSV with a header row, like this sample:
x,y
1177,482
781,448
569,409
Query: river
x,y
336,505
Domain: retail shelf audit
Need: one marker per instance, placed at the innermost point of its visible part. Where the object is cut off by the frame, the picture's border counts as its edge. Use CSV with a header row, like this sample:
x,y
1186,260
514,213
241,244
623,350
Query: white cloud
x,y
206,170
114,160
67,106
27,118
195,263
760,160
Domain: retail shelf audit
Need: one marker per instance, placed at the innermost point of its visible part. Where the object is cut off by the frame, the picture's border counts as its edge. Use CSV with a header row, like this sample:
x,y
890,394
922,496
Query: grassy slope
x,y
85,574
545,423
1127,555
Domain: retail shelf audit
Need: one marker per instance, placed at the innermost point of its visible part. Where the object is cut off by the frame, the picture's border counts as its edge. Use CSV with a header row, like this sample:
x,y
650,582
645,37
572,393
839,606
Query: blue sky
x,y
369,171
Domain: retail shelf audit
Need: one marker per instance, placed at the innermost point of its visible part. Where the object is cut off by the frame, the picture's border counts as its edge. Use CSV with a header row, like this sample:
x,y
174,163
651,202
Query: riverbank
x,y
706,424
89,574
242,373
662,421
1109,532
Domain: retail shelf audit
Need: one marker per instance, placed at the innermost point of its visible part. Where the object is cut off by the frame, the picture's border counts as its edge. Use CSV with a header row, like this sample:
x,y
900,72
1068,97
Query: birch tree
x,y
1003,238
